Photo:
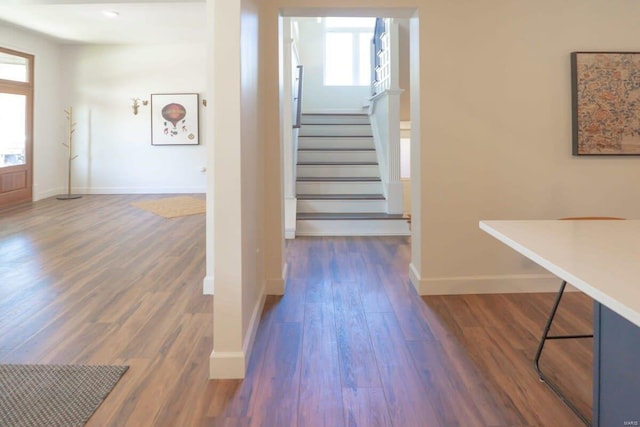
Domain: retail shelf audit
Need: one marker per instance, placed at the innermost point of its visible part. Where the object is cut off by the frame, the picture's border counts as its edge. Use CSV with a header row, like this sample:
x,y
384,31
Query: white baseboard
x,y
227,365
139,190
207,286
233,364
414,277
39,195
290,210
520,283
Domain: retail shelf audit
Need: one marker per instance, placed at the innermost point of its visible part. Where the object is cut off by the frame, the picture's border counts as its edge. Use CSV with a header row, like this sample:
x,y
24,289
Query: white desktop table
x,y
601,259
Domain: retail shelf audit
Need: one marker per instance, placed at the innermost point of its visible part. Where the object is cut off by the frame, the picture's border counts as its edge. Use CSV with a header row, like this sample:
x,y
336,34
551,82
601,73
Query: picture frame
x,y
175,119
605,89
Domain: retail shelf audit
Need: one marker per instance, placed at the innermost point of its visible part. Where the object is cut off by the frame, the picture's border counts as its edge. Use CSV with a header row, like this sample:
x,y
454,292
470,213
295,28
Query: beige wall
x,y
491,139
496,129
494,121
237,185
252,168
404,67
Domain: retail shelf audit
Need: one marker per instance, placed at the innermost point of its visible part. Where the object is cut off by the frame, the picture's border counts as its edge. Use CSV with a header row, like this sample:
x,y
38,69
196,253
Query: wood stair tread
x,y
338,179
349,216
340,197
337,149
336,163
334,136
335,114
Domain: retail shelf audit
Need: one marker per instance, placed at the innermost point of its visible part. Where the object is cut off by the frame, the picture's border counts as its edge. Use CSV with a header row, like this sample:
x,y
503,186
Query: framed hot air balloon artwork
x,y
174,119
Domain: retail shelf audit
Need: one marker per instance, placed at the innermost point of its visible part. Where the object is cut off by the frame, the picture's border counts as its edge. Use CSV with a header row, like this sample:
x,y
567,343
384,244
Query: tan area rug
x,y
173,207
53,395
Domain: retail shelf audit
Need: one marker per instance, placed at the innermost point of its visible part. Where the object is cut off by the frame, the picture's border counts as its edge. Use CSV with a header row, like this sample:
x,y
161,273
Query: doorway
x,y
340,172
412,188
16,122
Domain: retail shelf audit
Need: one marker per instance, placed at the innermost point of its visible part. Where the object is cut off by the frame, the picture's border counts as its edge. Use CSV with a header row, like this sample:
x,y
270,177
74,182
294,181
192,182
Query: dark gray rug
x,y
53,395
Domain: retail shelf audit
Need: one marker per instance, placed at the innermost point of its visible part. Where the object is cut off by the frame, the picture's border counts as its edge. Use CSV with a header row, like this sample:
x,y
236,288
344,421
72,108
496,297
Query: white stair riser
x,y
334,119
369,227
336,156
310,142
345,206
335,130
339,187
341,171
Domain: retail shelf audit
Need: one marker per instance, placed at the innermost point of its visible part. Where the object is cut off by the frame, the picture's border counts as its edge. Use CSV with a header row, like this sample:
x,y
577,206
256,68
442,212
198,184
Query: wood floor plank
x,y
370,285
320,402
365,407
404,392
315,270
444,382
276,401
248,390
98,281
358,366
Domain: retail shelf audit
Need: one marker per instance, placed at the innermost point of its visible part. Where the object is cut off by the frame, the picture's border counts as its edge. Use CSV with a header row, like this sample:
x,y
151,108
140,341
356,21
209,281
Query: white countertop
x,y
600,258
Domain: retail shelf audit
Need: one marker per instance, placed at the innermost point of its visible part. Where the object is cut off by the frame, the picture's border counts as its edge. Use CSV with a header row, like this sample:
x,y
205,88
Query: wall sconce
x,y
136,104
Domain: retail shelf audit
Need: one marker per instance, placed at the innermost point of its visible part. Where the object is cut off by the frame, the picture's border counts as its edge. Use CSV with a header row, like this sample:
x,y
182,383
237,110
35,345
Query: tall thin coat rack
x,y
69,145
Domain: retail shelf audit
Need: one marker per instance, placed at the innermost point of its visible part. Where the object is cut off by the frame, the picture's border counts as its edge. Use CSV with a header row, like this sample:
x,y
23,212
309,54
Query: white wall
x,y
113,144
316,96
49,173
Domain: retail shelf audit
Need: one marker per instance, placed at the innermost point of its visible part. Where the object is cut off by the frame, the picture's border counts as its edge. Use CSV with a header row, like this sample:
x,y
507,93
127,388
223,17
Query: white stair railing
x,y
384,114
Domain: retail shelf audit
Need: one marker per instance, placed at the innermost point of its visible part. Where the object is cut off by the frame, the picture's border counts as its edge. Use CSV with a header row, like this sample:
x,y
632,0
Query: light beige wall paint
x,y
404,67
270,12
252,167
237,186
271,81
497,126
227,359
494,126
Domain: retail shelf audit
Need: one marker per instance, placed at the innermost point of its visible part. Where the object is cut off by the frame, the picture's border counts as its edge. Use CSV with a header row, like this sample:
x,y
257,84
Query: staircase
x,y
338,184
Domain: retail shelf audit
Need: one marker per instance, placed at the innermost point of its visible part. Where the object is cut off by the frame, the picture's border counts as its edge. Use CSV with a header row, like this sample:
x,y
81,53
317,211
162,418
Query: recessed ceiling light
x,y
110,13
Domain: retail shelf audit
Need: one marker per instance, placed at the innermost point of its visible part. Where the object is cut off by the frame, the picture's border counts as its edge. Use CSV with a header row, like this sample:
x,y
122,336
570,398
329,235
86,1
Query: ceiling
x,y
83,21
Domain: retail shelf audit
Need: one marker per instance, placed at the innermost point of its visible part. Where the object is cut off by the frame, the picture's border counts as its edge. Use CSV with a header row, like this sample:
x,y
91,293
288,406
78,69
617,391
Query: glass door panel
x,y
13,113
14,67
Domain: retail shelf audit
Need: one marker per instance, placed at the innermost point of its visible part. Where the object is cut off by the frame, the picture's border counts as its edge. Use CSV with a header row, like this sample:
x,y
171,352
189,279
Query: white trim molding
x,y
207,286
233,364
139,190
227,365
499,284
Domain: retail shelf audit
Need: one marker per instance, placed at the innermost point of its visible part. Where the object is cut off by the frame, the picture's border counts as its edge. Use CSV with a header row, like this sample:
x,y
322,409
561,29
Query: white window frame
x,y
355,32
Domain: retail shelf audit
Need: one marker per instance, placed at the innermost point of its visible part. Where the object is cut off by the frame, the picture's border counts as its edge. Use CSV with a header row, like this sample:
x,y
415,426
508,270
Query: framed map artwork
x,y
606,103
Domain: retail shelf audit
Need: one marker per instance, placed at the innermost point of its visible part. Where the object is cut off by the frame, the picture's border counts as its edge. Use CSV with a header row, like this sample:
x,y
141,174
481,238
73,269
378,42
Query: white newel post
x,y
394,190
385,118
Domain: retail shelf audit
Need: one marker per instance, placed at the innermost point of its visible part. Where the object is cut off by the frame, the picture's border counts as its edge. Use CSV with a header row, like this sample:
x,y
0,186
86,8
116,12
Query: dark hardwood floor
x,y
98,281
